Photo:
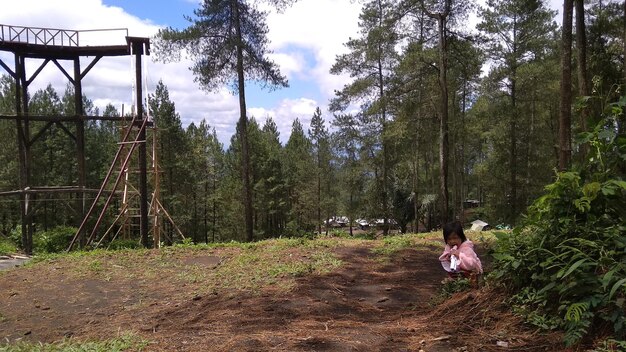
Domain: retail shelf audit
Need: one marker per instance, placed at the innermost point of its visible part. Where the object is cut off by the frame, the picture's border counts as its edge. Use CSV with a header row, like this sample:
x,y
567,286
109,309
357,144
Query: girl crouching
x,y
459,258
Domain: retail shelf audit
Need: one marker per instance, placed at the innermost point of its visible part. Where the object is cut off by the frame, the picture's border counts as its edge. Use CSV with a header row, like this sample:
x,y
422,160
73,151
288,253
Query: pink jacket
x,y
468,260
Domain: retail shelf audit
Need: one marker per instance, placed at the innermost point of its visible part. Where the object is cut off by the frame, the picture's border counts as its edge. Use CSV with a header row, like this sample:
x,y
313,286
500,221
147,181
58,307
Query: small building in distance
x,y
479,225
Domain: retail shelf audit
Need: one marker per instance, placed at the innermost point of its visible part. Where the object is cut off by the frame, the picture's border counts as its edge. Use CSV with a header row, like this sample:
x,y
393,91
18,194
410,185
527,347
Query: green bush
x,y
7,246
294,229
15,236
124,244
53,241
567,262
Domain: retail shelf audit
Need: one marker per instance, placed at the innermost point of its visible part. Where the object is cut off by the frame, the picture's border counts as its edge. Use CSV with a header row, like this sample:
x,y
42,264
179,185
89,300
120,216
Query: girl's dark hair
x,y
453,227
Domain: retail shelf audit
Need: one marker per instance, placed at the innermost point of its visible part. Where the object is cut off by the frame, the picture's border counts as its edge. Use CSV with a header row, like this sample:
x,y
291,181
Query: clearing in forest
x,y
326,294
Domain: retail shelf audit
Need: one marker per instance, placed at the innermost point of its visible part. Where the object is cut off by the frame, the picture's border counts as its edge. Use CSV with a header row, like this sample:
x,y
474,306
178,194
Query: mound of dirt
x,y
481,320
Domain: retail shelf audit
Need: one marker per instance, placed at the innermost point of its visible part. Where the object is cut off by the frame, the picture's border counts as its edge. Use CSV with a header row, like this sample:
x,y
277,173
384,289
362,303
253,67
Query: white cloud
x,y
285,113
291,64
111,79
321,26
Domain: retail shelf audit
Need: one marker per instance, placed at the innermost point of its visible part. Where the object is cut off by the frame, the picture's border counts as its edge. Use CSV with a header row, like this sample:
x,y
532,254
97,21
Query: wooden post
x,y
23,141
80,149
138,47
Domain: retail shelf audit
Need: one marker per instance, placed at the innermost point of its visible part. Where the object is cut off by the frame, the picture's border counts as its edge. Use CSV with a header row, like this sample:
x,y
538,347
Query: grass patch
x,y
432,241
193,274
275,262
125,342
73,256
391,244
242,266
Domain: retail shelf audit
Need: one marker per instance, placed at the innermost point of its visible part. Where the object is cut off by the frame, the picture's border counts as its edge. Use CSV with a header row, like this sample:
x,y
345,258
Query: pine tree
x,y
318,133
371,60
9,165
173,157
299,181
565,116
228,41
346,142
270,189
206,173
518,31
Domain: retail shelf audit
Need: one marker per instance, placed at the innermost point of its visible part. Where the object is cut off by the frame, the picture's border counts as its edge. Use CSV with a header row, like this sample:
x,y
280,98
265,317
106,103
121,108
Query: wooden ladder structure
x,y
128,220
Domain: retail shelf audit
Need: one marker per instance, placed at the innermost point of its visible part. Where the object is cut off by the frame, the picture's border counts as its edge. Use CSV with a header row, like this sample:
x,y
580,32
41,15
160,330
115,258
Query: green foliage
x,y
448,288
7,246
55,240
568,261
451,287
15,236
125,342
173,151
124,244
300,183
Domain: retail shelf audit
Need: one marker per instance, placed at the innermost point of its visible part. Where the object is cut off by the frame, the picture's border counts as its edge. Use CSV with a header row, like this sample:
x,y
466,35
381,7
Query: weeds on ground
x,y
243,265
448,288
368,235
392,244
124,342
610,345
254,268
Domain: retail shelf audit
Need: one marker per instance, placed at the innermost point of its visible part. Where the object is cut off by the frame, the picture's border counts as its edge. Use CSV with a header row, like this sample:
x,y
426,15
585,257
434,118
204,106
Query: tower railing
x,y
40,36
54,36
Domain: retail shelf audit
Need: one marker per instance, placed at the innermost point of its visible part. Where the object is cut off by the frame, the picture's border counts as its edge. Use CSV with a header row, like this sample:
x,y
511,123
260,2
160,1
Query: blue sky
x,y
161,12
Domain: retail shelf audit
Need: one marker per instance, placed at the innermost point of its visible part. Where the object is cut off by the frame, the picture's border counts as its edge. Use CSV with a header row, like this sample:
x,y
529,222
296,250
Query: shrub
x,y
7,246
568,260
124,244
55,240
15,236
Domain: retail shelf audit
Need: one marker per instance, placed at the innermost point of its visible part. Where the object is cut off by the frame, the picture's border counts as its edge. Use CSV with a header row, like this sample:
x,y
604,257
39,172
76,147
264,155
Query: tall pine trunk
x,y
443,121
463,133
214,229
583,80
319,189
513,151
565,116
243,133
513,132
416,162
206,211
381,87
621,128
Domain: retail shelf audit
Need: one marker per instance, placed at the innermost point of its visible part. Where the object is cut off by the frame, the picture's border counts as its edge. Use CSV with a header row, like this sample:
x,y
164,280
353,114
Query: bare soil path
x,y
8,262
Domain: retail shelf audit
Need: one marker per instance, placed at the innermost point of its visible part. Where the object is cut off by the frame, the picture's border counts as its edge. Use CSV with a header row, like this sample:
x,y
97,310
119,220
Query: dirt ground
x,y
365,305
